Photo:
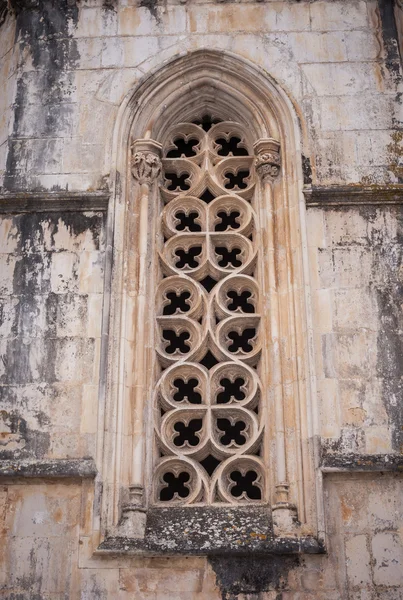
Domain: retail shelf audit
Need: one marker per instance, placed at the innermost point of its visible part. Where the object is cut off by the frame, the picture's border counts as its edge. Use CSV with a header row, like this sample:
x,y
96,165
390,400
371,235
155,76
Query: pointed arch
x,y
231,89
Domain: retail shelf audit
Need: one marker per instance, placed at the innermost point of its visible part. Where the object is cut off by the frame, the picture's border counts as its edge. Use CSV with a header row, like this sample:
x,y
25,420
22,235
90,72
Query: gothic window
x,y
209,414
208,376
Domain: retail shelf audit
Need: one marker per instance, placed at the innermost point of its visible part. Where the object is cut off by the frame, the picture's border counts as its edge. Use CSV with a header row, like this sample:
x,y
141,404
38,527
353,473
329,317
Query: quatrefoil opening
x,y
175,486
236,180
188,258
229,257
177,303
231,390
244,485
187,222
228,220
183,147
242,341
233,432
176,342
175,182
187,433
186,391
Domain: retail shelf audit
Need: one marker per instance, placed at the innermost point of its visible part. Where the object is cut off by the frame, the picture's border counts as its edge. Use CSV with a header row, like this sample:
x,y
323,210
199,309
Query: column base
x,y
132,523
134,515
285,519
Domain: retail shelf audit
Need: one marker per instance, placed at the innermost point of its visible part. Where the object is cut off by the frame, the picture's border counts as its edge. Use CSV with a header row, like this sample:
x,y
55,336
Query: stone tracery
x,y
208,415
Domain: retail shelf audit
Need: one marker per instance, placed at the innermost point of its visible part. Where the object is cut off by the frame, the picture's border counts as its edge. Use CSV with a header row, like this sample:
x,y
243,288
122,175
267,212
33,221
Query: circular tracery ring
x,y
208,415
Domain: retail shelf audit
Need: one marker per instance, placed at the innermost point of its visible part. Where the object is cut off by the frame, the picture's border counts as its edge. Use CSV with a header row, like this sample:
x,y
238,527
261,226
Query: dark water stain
x,y
152,6
251,575
390,38
42,29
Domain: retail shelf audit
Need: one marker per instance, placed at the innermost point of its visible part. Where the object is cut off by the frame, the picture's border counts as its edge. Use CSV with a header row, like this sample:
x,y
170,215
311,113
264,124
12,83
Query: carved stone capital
x,y
145,161
267,161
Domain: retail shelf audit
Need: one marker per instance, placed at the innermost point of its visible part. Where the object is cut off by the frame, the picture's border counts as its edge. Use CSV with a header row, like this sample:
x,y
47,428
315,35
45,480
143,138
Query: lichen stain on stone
x,y
395,151
237,576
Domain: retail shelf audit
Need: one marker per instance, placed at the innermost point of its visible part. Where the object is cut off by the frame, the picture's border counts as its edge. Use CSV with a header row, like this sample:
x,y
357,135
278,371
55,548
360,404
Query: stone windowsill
x,y
196,531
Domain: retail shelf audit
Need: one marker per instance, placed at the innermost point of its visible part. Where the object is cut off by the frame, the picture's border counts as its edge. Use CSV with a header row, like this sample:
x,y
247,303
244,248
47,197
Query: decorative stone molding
x,y
267,161
350,195
74,468
212,432
20,202
145,161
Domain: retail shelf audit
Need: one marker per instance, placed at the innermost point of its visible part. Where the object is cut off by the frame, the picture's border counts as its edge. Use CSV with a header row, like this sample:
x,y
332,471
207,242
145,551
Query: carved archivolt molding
x,y
267,161
215,214
209,426
145,161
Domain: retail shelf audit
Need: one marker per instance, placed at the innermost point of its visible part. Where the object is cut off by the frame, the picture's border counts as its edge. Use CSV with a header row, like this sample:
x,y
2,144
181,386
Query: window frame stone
x,y
238,91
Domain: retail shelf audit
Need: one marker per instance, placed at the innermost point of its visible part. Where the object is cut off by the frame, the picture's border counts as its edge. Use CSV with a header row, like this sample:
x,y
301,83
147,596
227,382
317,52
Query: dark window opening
x,y
241,341
177,181
240,301
232,389
207,196
230,147
209,360
206,122
232,432
210,463
183,148
177,303
176,486
208,283
236,180
228,256
187,433
187,221
187,257
244,483
186,391
227,221
176,342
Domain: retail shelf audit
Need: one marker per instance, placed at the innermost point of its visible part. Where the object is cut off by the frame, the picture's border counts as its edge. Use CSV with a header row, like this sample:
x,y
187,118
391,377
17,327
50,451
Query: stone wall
x,y
65,70
71,67
41,557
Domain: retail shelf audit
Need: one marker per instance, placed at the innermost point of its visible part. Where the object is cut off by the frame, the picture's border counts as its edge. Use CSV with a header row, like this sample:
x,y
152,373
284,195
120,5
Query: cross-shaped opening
x,y
228,220
244,483
230,148
183,148
187,221
240,301
187,433
186,391
236,180
232,389
176,342
177,181
241,341
233,432
177,303
187,257
175,486
228,256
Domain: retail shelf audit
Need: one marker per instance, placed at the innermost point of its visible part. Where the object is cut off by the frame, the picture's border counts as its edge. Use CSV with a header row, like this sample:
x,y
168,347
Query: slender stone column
x,y
267,165
145,169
